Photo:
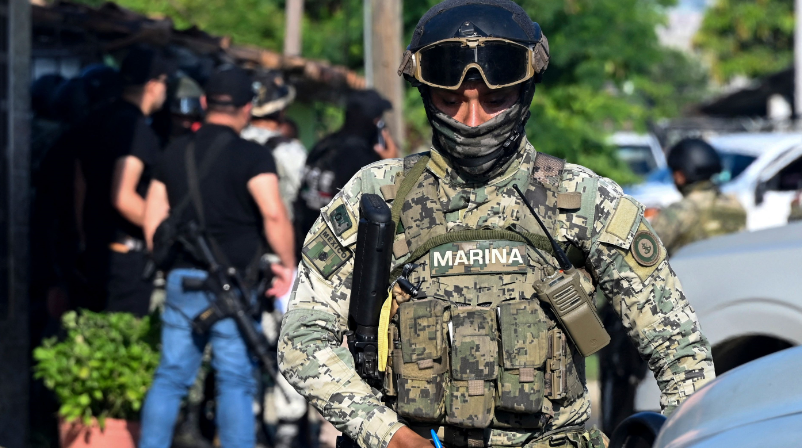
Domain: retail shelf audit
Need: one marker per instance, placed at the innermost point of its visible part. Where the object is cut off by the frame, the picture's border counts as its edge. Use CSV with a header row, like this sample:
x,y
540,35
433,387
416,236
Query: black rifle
x,y
232,297
372,258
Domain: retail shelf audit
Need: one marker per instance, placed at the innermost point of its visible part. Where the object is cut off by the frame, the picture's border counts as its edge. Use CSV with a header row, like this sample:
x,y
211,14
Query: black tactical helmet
x,y
695,158
440,29
186,99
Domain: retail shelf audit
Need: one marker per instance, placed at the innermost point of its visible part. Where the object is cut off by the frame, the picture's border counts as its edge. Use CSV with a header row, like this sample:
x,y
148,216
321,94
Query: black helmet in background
x,y
71,102
494,41
43,92
695,158
102,83
186,112
186,100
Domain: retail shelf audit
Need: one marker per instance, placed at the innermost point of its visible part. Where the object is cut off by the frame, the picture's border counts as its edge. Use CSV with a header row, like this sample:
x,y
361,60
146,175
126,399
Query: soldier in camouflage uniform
x,y
476,357
704,212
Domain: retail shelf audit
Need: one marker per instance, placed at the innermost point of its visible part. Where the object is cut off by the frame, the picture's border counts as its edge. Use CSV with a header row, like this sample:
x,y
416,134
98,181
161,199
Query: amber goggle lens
x,y
502,63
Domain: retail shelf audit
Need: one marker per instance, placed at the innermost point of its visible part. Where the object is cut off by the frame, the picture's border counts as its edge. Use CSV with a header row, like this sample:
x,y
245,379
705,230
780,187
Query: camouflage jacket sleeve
x,y
310,352
672,222
631,268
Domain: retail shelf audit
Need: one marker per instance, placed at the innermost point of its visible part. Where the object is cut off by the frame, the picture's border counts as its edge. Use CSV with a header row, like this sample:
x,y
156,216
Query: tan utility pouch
x,y
422,362
562,377
474,367
523,350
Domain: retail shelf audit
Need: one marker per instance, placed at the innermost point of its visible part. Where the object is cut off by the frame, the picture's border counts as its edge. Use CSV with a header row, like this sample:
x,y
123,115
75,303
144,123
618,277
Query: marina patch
x,y
486,257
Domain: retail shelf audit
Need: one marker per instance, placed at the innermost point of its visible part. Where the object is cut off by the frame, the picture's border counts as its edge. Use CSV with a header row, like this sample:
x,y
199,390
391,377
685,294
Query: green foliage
x,y
255,22
104,366
748,37
568,122
671,83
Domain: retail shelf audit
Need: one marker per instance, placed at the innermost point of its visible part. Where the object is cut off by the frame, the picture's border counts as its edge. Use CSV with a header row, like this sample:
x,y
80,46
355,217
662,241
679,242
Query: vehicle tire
x,y
739,351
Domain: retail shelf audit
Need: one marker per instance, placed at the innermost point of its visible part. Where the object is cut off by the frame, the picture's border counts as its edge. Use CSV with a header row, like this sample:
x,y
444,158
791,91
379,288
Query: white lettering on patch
x,y
498,257
456,260
442,259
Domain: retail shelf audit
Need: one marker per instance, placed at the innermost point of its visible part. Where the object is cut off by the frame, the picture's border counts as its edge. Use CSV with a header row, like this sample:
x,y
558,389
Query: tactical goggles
x,y
500,62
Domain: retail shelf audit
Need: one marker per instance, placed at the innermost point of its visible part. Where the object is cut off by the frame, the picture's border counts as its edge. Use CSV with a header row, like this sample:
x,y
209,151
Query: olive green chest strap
x,y
407,184
538,242
411,178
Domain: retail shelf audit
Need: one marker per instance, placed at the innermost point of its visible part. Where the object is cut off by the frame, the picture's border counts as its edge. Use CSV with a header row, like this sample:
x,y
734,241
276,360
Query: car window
x,y
788,179
733,164
662,176
639,158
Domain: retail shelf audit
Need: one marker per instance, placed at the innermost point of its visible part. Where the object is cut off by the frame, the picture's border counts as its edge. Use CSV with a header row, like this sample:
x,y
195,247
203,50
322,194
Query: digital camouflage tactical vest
x,y
479,350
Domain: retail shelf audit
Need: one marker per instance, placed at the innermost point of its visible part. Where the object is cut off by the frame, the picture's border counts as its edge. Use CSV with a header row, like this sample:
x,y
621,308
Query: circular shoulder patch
x,y
645,248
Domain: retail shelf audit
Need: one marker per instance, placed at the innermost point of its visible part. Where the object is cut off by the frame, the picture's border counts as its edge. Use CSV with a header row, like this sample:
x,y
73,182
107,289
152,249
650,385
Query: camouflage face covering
x,y
482,150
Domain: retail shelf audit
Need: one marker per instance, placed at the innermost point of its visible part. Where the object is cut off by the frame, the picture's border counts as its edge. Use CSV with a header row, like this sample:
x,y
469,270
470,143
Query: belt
x,y
126,244
567,437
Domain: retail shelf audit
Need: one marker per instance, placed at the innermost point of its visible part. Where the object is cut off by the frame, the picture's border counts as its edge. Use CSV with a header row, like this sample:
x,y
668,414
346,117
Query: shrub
x,y
104,366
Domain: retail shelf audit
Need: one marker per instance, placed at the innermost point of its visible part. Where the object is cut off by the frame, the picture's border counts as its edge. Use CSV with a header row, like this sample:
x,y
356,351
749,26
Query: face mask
x,y
485,150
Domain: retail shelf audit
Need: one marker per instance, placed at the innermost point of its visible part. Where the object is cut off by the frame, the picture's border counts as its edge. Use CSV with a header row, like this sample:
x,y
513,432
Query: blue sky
x,y
693,5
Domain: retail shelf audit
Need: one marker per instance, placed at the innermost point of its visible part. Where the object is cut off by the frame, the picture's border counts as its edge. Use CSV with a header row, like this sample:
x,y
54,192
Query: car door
x,y
775,189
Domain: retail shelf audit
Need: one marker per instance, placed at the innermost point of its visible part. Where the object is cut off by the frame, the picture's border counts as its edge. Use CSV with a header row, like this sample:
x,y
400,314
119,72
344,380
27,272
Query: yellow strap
x,y
384,326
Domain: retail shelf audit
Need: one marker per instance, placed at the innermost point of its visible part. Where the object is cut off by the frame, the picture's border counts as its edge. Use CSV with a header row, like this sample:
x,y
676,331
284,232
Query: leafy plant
x,y
747,37
104,366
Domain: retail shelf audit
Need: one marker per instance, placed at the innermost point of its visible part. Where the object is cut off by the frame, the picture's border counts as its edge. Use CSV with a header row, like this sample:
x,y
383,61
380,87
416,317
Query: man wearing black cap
x,y
241,210
115,148
361,140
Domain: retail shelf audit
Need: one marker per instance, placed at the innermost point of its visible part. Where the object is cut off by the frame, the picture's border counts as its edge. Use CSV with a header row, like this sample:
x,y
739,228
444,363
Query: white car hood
x,y
752,401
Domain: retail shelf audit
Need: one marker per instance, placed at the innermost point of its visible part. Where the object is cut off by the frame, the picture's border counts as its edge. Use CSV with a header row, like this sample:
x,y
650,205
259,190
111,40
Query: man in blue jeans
x,y
242,212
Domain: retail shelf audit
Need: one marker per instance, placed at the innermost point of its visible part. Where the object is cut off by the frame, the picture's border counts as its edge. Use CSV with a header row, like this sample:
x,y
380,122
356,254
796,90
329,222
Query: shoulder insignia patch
x,y
325,253
646,248
340,220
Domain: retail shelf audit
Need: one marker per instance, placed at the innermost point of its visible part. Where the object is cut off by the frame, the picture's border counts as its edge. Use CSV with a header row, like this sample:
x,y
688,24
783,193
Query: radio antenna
x,y
559,253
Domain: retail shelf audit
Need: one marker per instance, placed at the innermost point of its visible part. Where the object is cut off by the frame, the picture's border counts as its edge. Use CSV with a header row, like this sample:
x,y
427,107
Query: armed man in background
x,y
273,96
480,349
360,141
237,203
116,149
282,411
704,212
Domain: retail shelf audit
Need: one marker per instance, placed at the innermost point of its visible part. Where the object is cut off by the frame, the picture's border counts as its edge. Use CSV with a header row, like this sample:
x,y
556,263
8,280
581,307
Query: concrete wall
x,y
15,43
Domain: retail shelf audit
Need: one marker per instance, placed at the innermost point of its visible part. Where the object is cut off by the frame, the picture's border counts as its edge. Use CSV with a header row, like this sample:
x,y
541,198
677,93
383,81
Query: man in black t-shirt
x,y
362,140
241,210
115,148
